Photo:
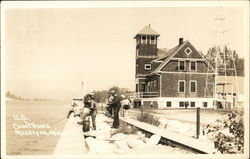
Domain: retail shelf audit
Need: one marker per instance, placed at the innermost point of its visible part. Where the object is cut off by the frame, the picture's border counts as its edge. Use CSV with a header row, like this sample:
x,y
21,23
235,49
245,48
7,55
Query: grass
x,y
148,118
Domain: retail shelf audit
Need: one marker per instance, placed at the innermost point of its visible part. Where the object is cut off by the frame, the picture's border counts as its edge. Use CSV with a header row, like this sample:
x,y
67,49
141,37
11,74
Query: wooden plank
x,y
197,144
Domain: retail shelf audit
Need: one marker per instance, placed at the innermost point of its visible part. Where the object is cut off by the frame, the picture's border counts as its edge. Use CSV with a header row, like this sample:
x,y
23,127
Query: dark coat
x,y
116,101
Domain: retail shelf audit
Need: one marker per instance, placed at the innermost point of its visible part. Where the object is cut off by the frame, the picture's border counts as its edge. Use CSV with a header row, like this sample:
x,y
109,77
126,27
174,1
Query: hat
x,y
123,96
112,91
91,93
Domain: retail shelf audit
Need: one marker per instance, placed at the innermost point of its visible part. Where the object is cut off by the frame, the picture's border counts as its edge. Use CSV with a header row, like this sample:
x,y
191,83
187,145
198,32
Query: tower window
x,y
181,65
143,39
193,86
181,86
152,40
188,51
147,66
193,65
192,104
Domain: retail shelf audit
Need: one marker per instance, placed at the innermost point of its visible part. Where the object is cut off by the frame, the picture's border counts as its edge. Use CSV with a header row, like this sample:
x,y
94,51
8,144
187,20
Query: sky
x,y
50,51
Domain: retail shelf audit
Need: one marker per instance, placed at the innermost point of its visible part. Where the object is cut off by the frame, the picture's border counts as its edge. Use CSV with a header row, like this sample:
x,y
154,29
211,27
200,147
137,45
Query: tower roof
x,y
147,31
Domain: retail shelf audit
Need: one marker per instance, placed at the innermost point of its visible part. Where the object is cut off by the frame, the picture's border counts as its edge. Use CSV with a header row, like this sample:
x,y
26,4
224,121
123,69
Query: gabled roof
x,y
170,54
147,31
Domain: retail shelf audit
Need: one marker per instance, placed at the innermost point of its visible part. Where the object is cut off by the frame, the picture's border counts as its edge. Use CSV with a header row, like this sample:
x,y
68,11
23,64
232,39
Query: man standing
x,y
90,104
116,104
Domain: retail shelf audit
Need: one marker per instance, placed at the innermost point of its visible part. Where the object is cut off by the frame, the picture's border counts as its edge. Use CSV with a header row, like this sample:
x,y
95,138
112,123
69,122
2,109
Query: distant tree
x,y
100,96
226,58
119,90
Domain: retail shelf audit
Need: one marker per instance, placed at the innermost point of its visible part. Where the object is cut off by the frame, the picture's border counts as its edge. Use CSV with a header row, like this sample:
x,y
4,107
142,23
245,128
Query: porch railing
x,y
138,95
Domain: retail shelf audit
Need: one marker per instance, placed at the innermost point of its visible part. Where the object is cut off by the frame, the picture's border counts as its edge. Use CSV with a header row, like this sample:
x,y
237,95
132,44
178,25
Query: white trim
x,y
187,72
162,65
190,86
179,65
186,58
195,66
160,85
141,56
179,86
188,48
145,66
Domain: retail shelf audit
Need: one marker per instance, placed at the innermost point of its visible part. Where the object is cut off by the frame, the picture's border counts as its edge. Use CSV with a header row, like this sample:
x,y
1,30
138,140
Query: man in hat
x,y
116,104
90,105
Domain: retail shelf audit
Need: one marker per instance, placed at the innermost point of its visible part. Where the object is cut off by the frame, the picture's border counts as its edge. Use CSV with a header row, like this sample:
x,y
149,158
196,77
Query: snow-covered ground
x,y
107,141
183,121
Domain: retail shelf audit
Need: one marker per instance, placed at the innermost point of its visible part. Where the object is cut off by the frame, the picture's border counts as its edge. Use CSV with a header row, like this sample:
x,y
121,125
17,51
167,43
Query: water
x,y
52,113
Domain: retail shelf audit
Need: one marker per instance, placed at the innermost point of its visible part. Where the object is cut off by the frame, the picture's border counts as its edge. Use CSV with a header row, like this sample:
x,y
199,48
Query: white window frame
x,y
143,40
184,86
145,66
195,86
152,41
195,66
188,48
180,65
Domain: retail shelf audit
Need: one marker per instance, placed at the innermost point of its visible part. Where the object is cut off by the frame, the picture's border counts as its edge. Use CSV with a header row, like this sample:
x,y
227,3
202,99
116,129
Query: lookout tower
x,y
146,51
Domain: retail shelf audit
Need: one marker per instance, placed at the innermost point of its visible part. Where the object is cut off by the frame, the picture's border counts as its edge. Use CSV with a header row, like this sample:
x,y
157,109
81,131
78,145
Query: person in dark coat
x,y
90,104
116,104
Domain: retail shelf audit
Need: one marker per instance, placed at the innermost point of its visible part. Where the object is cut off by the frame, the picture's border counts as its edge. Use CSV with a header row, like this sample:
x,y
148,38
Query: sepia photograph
x,y
124,79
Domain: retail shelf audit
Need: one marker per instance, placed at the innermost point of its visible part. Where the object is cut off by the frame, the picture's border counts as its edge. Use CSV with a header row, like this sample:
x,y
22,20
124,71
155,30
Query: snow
x,y
109,141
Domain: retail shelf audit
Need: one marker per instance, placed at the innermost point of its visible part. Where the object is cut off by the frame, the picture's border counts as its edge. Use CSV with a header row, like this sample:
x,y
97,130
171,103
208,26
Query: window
x,y
188,51
143,39
137,53
193,65
147,67
181,65
192,104
181,87
152,40
193,86
169,104
204,104
181,104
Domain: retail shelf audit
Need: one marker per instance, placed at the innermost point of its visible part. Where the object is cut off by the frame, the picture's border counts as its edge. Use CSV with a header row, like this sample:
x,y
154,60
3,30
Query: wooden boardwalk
x,y
200,145
72,141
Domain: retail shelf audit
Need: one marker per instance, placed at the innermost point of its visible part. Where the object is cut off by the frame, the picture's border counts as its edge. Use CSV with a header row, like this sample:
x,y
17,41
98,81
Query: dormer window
x,y
143,39
188,51
147,66
181,65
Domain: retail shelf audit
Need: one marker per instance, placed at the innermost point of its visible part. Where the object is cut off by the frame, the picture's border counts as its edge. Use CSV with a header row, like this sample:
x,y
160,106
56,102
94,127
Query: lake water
x,y
49,116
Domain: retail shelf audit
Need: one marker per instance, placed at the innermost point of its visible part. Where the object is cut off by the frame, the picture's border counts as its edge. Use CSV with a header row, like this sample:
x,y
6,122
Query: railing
x,y
138,95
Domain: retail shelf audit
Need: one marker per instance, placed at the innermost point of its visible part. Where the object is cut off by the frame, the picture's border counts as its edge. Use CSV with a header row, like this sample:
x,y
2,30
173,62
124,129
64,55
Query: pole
x,y
197,122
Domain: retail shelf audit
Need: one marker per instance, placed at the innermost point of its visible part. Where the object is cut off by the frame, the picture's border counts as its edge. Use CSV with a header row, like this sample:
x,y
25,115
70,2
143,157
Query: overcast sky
x,y
50,51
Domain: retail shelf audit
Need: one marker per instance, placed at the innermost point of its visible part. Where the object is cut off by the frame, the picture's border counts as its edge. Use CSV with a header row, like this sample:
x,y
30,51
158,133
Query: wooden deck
x,y
200,145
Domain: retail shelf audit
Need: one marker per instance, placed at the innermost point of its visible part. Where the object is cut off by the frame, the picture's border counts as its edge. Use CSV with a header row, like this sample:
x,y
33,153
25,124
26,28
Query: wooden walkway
x,y
200,145
72,141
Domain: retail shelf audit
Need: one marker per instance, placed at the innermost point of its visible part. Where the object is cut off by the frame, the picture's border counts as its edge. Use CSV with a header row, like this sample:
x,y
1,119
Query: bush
x,y
228,135
148,118
126,129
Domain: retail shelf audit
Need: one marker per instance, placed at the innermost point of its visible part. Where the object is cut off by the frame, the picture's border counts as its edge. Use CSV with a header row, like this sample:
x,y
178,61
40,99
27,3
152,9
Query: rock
x,y
98,146
121,145
119,136
154,140
134,142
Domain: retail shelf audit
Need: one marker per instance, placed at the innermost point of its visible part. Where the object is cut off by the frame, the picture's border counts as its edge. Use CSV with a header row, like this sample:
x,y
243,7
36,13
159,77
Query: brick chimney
x,y
180,41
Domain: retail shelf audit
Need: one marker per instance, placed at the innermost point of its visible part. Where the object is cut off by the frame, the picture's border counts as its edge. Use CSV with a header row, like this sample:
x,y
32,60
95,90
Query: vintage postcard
x,y
124,79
